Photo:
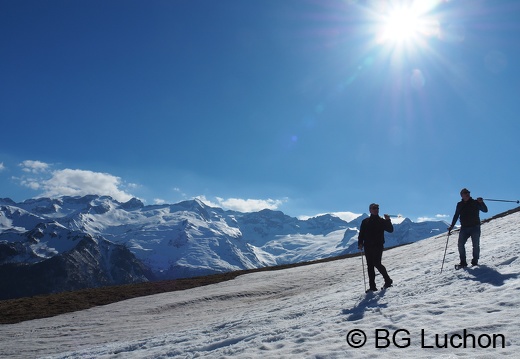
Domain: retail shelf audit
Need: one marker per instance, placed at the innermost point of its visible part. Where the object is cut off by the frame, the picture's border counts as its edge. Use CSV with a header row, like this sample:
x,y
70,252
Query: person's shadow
x,y
485,274
358,311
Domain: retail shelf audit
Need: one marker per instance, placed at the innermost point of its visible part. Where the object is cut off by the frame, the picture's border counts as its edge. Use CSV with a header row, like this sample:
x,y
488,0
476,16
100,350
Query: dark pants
x,y
374,256
464,234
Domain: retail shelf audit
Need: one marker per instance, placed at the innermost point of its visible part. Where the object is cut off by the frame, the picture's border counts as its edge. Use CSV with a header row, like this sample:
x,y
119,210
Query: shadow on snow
x,y
370,302
485,274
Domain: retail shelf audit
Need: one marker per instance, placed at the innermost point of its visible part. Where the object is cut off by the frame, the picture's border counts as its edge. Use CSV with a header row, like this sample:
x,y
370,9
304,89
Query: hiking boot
x,y
371,290
388,283
474,262
462,265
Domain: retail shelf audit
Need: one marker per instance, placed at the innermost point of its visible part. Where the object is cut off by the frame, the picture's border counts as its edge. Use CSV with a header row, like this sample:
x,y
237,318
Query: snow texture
x,y
310,312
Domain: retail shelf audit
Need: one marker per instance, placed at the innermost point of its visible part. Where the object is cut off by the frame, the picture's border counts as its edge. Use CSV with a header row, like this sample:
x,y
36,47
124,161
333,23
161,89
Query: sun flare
x,y
406,25
400,25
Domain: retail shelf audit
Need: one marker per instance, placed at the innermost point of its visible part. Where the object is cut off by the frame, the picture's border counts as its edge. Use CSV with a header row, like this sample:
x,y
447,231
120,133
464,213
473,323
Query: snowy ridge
x,y
189,238
309,311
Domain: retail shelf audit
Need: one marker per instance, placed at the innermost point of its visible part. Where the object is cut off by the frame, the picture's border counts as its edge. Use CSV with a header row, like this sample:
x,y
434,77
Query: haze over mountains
x,y
68,243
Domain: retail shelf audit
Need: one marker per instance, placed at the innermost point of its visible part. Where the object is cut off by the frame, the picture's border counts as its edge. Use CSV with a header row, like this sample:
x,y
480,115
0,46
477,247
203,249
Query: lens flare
x,y
400,25
407,23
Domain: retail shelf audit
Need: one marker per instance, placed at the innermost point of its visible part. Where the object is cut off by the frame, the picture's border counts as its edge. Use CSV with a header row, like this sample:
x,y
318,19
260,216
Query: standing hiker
x,y
468,211
372,238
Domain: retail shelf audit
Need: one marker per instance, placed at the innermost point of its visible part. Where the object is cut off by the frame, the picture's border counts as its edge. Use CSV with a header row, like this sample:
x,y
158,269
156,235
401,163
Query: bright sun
x,y
407,23
403,25
400,25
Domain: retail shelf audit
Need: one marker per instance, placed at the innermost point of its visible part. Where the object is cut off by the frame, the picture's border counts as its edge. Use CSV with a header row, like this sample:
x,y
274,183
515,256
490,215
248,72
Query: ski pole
x,y
394,215
500,200
363,265
445,249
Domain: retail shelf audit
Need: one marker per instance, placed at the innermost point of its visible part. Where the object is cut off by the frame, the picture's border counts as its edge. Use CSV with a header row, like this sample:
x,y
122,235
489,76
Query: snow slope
x,y
309,311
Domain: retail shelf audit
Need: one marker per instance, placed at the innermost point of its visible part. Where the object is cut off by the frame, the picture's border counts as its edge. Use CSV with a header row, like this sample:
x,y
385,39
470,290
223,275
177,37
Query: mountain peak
x,y
7,201
132,204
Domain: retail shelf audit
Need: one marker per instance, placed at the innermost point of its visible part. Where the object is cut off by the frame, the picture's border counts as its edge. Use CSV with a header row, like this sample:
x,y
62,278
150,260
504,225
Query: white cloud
x,y
31,183
207,202
2,167
438,217
69,182
250,205
34,166
243,205
346,216
159,201
425,219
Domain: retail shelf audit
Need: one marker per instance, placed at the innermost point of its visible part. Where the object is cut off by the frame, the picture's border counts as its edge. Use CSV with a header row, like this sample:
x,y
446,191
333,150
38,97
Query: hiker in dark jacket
x,y
372,238
468,212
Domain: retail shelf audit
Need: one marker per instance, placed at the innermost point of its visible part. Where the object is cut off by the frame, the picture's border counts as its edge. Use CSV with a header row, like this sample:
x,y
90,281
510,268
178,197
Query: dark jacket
x,y
372,231
468,212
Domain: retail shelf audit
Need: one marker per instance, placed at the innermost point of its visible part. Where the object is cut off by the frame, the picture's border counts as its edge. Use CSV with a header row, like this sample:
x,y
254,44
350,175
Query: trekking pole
x,y
445,249
395,215
363,265
500,200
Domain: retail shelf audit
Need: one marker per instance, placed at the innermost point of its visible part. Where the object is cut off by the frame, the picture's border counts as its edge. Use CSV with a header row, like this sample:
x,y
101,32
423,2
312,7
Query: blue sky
x,y
303,106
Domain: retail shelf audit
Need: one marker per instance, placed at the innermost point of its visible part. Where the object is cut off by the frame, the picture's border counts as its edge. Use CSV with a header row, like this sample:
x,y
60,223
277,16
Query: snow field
x,y
309,311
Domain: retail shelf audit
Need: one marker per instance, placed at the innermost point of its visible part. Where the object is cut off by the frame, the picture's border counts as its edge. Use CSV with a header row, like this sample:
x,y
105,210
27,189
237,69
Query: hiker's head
x,y
374,208
464,191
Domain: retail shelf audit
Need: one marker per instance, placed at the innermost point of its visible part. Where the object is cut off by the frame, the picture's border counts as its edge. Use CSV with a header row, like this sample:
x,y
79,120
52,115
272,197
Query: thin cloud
x,y
438,217
346,216
182,194
207,202
32,183
34,166
243,205
250,205
2,167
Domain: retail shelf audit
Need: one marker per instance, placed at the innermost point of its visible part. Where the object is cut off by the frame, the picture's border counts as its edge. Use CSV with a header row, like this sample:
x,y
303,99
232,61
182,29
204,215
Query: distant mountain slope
x,y
173,240
91,263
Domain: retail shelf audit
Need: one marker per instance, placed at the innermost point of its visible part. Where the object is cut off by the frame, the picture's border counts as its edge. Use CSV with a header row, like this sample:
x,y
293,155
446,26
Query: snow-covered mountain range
x,y
166,241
